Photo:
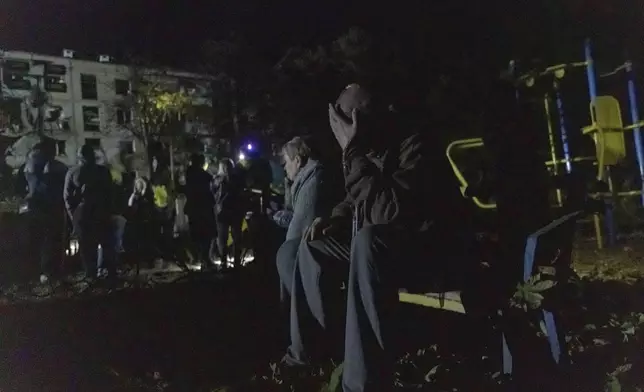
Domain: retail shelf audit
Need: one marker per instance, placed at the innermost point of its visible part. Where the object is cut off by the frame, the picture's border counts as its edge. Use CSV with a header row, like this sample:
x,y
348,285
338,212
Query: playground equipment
x,y
606,129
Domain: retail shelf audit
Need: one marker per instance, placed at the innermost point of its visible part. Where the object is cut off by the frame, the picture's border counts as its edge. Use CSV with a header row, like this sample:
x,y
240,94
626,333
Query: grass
x,y
211,333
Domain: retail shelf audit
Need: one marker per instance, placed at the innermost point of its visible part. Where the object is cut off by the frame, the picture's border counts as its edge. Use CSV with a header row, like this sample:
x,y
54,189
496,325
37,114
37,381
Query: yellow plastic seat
x,y
607,130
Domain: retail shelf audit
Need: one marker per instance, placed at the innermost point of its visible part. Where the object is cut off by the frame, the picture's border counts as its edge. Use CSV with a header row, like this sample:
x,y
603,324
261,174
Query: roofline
x,y
152,70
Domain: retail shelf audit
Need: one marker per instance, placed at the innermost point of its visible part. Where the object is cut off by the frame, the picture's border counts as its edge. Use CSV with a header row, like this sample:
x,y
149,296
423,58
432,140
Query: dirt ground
x,y
190,333
222,333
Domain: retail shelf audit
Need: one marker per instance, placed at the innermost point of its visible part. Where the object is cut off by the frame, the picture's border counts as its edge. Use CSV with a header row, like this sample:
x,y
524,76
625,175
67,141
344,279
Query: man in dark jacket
x,y
199,207
45,177
401,211
88,200
118,221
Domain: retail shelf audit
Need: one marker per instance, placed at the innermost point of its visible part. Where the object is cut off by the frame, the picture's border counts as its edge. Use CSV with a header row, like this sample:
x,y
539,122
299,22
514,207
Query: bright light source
x,y
249,147
73,248
231,261
242,156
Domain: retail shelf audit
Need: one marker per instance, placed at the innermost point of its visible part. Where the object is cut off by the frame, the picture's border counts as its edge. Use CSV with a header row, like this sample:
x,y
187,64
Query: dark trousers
x,y
164,233
379,259
90,236
141,242
232,224
117,230
46,237
202,234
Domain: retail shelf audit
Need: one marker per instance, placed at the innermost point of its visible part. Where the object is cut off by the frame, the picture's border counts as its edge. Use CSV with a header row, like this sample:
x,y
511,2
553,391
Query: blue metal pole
x,y
592,90
635,118
590,71
562,129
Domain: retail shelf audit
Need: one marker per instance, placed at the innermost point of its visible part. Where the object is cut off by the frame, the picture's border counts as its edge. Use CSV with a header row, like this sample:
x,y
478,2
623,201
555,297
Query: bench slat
x,y
450,301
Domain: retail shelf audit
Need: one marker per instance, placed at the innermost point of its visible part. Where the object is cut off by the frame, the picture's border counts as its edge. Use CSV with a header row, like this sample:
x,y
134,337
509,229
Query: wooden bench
x,y
556,236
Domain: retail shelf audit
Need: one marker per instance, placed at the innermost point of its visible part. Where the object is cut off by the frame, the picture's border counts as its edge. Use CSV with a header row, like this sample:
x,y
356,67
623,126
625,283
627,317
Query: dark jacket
x,y
403,184
89,186
142,211
120,197
45,178
199,198
228,195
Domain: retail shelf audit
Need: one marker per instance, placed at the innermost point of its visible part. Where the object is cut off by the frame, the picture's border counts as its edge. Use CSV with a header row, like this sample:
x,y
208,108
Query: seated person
x,y
401,216
303,201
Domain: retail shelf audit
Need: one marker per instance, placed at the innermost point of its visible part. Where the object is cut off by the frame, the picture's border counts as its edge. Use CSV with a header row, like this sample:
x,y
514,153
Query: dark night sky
x,y
164,29
172,31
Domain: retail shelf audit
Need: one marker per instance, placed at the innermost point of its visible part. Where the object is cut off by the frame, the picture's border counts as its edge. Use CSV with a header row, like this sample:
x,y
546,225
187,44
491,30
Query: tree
x,y
309,78
239,80
158,113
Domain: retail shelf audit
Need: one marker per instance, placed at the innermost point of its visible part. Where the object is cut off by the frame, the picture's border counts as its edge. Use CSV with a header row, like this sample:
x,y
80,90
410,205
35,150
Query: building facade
x,y
84,103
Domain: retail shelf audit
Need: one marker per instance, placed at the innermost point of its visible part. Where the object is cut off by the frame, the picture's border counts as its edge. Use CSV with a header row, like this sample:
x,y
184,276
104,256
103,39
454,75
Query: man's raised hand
x,y
343,129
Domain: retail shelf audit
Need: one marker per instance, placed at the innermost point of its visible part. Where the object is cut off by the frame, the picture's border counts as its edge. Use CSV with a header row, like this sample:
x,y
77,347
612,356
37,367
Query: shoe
x,y
289,361
291,369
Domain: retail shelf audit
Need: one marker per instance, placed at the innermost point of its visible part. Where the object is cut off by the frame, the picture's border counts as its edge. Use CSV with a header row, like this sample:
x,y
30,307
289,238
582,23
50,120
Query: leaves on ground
x,y
605,333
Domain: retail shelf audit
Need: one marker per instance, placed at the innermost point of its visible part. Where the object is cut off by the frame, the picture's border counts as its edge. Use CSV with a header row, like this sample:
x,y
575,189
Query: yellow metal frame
x,y
450,301
464,144
558,71
607,131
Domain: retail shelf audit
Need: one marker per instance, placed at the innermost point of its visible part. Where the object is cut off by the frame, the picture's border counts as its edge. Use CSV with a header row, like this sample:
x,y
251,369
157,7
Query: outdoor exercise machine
x,y
606,129
482,301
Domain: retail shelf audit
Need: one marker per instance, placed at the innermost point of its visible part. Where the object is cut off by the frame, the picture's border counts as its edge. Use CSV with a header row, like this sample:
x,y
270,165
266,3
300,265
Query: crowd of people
x,y
399,216
120,217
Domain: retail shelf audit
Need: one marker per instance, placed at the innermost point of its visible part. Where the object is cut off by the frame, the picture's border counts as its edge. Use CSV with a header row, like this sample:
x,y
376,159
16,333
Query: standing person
x,y
117,219
402,227
160,181
141,223
229,210
45,178
88,200
199,208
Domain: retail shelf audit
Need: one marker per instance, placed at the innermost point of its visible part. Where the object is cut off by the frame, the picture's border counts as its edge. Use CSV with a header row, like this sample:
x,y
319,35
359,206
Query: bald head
x,y
353,97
